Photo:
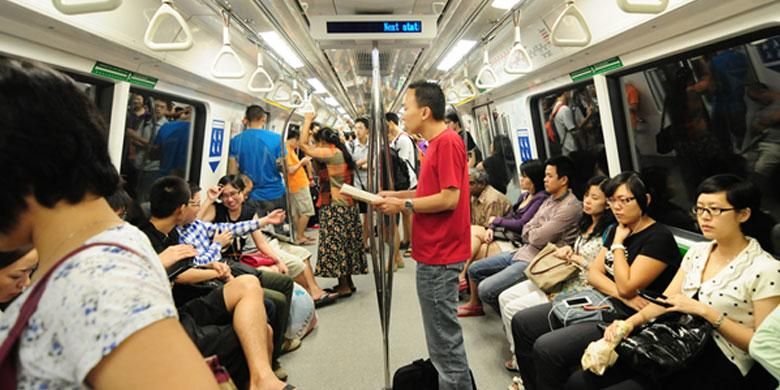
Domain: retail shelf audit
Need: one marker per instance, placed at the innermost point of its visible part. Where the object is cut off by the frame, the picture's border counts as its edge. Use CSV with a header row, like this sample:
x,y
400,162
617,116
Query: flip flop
x,y
408,253
335,289
511,366
325,300
463,285
470,311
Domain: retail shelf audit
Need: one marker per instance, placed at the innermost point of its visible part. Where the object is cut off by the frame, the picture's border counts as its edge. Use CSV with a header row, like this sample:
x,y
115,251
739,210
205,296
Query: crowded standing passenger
x,y
440,208
340,250
53,200
359,150
257,152
452,120
405,146
298,183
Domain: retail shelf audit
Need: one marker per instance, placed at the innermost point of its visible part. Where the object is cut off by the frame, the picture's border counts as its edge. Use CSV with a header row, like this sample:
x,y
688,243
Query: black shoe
x,y
404,245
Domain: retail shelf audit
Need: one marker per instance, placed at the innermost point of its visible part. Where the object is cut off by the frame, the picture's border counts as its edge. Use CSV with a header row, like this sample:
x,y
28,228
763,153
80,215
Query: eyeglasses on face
x,y
620,201
234,195
711,211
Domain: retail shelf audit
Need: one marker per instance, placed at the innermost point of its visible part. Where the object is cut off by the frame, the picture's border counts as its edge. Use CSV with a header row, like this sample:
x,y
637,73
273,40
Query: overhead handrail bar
x,y
471,89
573,11
486,71
260,72
167,9
227,50
85,7
517,49
296,100
643,8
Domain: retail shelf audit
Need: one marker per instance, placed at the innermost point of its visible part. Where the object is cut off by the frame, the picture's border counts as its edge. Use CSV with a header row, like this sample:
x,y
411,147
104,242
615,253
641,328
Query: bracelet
x,y
617,246
719,321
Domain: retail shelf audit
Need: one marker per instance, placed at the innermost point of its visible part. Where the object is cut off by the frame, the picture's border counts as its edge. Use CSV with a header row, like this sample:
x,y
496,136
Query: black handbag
x,y
666,345
504,234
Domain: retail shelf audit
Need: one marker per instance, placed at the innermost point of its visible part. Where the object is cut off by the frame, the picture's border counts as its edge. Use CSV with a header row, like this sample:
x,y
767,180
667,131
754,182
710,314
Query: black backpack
x,y
399,171
420,375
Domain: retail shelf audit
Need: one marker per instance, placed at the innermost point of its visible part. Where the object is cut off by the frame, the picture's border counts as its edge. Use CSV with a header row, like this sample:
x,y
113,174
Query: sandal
x,y
463,285
510,365
325,299
470,311
517,383
408,253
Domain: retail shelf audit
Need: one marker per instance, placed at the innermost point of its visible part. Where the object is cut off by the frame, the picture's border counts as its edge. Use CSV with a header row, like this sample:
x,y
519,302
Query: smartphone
x,y
577,302
654,297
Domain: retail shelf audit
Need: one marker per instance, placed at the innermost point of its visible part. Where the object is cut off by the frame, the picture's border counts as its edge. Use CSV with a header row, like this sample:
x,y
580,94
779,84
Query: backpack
x,y
420,375
399,171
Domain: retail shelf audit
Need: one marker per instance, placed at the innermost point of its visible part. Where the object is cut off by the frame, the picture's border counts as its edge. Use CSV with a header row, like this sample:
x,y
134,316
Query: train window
x,y
163,136
568,122
100,91
715,110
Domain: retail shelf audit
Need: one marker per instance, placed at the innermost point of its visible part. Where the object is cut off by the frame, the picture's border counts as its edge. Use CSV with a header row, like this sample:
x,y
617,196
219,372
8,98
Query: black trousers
x,y
547,353
276,287
711,370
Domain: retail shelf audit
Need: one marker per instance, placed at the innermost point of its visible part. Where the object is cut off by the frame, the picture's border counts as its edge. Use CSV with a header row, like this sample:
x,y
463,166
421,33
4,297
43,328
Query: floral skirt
x,y
340,252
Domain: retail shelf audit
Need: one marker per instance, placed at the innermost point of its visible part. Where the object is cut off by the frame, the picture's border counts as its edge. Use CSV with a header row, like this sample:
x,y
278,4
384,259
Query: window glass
x,y
158,142
710,112
570,124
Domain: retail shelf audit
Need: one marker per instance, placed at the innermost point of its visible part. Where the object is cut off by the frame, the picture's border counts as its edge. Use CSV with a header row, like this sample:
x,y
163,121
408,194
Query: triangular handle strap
x,y
281,87
518,50
228,51
644,7
261,73
467,89
85,7
573,11
167,10
486,71
296,100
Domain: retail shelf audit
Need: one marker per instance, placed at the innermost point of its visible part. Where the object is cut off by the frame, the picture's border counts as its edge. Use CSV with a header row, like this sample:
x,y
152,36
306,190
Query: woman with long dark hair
x,y
500,165
340,251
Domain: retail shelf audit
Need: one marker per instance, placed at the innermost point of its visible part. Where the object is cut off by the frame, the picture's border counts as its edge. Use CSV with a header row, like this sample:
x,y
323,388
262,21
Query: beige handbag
x,y
548,272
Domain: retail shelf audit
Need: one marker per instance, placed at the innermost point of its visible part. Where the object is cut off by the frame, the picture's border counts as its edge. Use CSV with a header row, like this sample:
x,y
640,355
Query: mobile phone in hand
x,y
654,297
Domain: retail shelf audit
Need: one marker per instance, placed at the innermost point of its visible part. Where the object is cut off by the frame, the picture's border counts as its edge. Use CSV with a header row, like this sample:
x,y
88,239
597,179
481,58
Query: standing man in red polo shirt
x,y
441,230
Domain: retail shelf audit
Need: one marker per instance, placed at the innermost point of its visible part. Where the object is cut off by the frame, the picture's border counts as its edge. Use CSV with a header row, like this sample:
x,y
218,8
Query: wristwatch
x,y
409,205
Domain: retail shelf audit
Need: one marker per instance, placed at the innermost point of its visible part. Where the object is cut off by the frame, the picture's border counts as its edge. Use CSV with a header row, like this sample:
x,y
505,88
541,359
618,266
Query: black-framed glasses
x,y
620,201
712,211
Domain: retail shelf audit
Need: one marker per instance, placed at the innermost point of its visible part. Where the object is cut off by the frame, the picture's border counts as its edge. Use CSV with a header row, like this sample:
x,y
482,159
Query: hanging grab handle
x,y
85,7
167,9
643,8
227,50
296,100
451,94
307,106
517,50
486,71
262,74
470,89
573,11
280,87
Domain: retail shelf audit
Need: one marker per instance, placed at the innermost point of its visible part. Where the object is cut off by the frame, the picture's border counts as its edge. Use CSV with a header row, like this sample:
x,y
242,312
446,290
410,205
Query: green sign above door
x,y
117,73
592,70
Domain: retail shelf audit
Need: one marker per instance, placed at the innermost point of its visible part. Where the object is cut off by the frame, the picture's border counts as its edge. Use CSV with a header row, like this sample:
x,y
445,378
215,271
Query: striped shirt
x,y
201,234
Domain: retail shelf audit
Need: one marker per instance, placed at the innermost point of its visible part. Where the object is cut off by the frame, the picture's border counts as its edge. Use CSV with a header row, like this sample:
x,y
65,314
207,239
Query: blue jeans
x,y
495,274
437,290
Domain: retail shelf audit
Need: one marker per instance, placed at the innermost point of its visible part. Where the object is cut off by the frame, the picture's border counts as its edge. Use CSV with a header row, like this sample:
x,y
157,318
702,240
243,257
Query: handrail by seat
x,y
167,9
85,7
260,72
486,71
573,11
227,50
643,8
517,49
471,89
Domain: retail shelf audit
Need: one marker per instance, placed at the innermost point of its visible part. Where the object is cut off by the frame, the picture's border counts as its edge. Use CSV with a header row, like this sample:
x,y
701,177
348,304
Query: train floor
x,y
344,351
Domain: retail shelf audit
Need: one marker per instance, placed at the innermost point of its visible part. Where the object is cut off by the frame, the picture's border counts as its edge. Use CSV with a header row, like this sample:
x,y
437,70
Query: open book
x,y
357,193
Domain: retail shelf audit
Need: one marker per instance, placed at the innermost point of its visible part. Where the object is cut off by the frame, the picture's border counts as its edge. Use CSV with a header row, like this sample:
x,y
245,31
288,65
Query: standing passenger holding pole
x,y
441,230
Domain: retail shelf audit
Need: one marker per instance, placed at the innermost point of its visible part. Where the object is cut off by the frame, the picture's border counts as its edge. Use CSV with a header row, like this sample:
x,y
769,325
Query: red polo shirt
x,y
443,238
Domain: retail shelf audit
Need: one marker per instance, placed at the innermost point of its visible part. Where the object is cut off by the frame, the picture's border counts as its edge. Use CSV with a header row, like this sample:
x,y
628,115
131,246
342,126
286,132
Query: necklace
x,y
79,231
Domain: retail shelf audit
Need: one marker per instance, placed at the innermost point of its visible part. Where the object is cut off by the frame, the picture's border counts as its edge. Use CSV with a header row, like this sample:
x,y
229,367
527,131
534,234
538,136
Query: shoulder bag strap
x,y
8,361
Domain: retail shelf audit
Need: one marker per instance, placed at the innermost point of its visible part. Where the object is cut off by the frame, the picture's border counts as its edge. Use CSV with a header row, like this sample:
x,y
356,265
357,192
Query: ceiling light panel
x,y
456,54
282,49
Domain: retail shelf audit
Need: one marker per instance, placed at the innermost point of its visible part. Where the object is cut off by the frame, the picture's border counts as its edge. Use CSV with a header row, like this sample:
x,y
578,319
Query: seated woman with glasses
x,y
729,281
637,254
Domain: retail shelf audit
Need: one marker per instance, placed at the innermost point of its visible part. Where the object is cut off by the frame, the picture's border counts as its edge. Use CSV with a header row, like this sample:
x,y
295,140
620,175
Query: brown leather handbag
x,y
549,272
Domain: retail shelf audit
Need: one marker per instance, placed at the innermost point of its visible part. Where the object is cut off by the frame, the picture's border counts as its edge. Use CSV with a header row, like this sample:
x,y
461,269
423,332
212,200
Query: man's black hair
x,y
453,117
293,134
167,195
194,188
391,117
364,121
564,166
53,141
255,113
429,95
119,200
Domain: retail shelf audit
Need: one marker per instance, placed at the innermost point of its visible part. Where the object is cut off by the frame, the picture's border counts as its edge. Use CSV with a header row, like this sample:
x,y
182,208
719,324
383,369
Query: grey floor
x,y
344,352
